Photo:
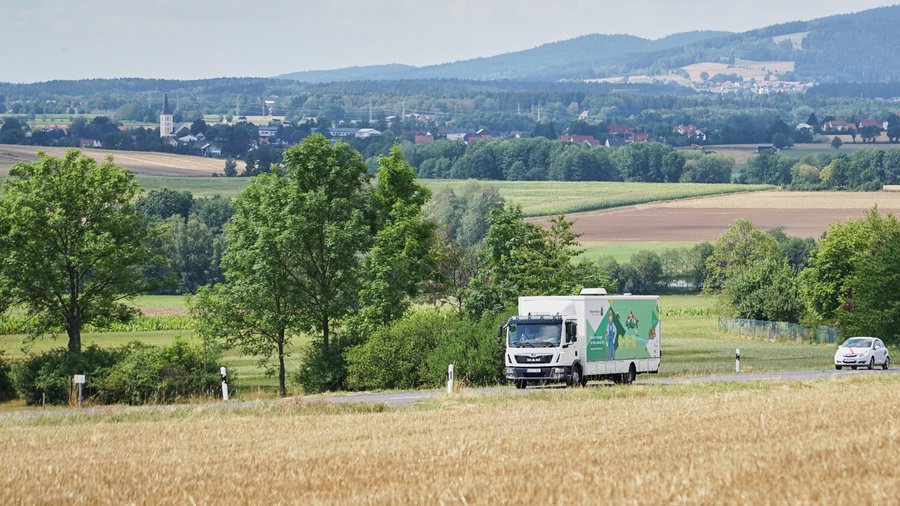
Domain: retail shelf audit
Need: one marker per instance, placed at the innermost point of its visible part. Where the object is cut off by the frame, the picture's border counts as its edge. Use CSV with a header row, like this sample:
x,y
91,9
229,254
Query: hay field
x,y
708,444
802,214
139,162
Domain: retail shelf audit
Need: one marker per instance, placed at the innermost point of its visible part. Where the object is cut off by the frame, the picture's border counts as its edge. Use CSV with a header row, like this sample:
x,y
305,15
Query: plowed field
x,y
139,162
802,214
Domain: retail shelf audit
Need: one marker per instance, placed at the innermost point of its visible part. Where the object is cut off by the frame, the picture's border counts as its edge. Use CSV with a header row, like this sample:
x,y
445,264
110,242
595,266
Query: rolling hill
x,y
857,47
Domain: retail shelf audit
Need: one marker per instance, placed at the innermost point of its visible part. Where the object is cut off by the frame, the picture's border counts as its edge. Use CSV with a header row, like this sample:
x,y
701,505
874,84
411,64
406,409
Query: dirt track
x,y
803,214
139,162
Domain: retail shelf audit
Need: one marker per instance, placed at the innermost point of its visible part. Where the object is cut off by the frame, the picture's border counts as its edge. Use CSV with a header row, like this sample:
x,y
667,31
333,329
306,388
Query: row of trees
x,y
544,159
865,169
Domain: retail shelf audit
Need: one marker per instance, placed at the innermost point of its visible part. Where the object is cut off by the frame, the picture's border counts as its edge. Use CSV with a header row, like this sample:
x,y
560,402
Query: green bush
x,y
148,374
472,348
323,369
7,391
51,373
394,356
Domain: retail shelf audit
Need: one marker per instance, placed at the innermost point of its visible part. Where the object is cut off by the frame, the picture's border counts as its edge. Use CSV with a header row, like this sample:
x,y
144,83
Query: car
x,y
862,352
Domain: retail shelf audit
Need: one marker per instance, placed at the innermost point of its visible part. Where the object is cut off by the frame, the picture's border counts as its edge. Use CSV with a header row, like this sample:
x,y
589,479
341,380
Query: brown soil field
x,y
139,162
805,443
802,214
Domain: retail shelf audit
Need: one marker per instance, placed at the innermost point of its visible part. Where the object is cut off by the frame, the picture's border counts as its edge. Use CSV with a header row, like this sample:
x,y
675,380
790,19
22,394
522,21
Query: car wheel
x,y
520,384
853,367
576,380
871,364
886,364
838,367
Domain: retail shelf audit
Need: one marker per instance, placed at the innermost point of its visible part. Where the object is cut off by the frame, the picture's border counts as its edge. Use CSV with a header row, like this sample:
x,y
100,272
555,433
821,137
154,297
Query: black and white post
x,y
224,383
79,380
737,360
450,379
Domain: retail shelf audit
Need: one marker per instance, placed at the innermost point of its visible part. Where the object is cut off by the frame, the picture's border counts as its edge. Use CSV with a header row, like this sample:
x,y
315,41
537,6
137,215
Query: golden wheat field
x,y
793,443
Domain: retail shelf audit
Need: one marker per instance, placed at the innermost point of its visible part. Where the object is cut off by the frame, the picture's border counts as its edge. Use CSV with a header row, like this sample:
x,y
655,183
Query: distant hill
x,y
858,47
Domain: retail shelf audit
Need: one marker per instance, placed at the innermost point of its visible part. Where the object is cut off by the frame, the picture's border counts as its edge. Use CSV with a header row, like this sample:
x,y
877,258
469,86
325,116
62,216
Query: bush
x,y
148,374
7,391
51,373
394,357
323,369
473,350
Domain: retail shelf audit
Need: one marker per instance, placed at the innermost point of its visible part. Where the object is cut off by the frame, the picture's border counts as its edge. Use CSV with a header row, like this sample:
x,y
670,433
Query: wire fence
x,y
779,330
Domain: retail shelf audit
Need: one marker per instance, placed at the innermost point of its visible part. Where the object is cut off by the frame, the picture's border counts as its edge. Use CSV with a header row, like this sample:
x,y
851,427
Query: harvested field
x,y
139,162
802,214
708,444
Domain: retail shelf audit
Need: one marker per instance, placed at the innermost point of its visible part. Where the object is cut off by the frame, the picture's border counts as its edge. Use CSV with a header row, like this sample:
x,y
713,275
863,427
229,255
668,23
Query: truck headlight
x,y
559,370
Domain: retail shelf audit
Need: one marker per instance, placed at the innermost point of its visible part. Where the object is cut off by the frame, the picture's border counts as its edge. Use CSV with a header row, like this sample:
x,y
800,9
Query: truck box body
x,y
597,337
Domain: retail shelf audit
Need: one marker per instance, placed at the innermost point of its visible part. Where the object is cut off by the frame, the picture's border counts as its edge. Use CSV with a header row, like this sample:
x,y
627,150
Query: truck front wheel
x,y
628,377
576,379
520,384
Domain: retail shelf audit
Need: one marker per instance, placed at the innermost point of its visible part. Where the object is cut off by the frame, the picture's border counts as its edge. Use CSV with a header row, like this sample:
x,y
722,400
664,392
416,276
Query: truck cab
x,y
540,349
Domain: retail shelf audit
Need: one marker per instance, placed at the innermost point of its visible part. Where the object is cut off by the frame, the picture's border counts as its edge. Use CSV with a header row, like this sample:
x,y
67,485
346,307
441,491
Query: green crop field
x,y
622,251
198,186
540,198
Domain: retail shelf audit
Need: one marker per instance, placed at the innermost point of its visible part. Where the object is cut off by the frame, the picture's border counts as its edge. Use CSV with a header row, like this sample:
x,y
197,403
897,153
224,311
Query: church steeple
x,y
166,119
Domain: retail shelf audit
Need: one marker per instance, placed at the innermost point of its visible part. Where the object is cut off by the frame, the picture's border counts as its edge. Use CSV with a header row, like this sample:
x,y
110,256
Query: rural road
x,y
400,399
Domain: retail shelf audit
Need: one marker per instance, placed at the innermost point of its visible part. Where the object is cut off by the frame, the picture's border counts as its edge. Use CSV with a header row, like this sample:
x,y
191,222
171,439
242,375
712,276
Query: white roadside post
x,y
450,379
224,383
737,360
79,380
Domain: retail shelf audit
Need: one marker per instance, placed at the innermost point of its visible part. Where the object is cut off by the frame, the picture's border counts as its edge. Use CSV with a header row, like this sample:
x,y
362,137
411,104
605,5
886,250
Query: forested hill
x,y
858,47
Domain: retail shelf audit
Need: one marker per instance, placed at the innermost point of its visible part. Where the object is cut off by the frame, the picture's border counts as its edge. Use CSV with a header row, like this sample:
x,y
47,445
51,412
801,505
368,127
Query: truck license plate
x,y
532,370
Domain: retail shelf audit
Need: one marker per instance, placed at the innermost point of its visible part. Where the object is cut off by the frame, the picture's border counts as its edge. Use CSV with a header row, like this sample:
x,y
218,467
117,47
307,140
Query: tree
x,y
193,253
73,244
766,289
893,129
739,247
851,281
163,203
836,143
230,167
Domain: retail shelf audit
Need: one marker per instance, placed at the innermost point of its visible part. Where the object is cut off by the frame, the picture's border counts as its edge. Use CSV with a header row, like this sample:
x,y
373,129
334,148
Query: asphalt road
x,y
401,399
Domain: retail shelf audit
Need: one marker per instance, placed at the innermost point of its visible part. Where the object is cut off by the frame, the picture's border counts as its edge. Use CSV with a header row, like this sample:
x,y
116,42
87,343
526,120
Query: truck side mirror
x,y
500,333
571,332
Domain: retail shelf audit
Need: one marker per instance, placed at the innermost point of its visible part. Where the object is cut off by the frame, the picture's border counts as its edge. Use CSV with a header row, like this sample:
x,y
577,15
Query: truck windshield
x,y
534,334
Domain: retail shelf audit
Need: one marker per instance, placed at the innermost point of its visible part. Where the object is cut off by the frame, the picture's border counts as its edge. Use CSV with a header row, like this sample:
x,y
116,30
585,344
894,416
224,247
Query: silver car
x,y
862,352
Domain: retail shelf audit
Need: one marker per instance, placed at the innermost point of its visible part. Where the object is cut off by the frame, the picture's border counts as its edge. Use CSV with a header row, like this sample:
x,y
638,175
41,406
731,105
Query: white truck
x,y
577,338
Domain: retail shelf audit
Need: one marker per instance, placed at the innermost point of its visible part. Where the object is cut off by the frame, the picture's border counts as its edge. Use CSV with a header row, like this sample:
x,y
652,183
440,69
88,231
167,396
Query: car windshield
x,y
857,343
534,334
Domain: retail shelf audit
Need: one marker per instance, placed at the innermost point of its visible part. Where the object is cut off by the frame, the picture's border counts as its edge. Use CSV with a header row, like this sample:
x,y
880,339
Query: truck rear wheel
x,y
628,377
520,384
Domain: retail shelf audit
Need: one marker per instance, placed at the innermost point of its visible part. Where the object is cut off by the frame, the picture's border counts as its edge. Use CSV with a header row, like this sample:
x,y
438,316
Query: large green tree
x,y
73,245
852,279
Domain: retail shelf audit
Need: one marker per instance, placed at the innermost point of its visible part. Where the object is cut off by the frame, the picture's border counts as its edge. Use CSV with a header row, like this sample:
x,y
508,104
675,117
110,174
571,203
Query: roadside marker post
x,y
450,379
224,383
737,360
79,380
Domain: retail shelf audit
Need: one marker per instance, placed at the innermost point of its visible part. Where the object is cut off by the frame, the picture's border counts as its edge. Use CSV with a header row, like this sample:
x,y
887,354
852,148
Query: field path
x,y
802,214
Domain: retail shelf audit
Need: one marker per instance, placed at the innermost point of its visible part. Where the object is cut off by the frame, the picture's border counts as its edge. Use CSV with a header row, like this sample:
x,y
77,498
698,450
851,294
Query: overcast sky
x,y
193,39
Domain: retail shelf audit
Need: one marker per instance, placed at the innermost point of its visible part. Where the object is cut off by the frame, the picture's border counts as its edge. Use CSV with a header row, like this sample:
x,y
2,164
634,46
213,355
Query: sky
x,y
195,39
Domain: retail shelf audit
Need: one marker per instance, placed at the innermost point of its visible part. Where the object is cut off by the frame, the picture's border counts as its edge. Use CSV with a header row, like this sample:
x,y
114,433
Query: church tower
x,y
166,120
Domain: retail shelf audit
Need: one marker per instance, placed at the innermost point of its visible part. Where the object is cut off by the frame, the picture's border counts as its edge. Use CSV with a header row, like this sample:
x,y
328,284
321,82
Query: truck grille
x,y
533,359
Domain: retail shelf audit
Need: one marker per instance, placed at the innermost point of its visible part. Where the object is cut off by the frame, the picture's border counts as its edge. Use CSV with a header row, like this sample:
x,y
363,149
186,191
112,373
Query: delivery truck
x,y
574,339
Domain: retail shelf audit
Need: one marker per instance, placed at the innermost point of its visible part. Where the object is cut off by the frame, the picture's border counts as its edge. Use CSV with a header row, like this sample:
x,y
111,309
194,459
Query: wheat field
x,y
800,443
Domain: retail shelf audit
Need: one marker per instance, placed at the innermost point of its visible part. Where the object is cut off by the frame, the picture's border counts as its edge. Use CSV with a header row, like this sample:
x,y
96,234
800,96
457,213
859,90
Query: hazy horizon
x,y
168,39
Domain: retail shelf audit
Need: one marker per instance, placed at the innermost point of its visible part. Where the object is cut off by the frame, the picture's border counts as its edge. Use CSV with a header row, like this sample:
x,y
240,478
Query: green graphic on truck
x,y
628,329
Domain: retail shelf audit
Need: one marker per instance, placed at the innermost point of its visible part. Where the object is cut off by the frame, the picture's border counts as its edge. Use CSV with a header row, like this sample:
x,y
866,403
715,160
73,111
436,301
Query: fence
x,y
778,330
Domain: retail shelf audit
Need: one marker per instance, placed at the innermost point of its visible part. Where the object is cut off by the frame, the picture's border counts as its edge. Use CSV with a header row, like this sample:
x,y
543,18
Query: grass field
x,y
200,187
691,345
758,443
539,198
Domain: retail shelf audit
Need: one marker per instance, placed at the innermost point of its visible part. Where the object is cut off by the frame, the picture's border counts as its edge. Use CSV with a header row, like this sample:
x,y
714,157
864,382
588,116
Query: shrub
x,y
472,348
148,374
50,373
7,391
323,369
394,356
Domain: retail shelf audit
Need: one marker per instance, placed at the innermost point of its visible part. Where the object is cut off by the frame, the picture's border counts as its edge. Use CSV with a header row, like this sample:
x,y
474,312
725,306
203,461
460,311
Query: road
x,y
404,399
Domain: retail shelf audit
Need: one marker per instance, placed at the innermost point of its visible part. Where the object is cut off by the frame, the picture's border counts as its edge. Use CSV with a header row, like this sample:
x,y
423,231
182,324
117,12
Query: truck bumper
x,y
539,373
